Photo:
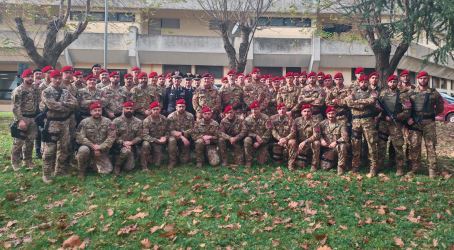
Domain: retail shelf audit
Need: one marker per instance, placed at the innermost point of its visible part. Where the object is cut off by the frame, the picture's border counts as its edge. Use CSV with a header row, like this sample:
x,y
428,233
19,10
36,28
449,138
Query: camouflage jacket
x,y
25,101
282,126
113,99
302,129
333,132
232,128
314,96
231,95
180,123
260,126
155,128
86,96
202,128
128,129
100,131
206,97
142,97
65,105
289,96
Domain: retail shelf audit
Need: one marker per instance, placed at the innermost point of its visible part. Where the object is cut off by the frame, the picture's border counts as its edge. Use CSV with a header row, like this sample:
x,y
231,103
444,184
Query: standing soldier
x,y
314,95
396,110
240,80
427,103
281,128
96,135
135,71
180,123
232,134
46,79
95,70
302,79
320,78
305,140
86,96
289,94
258,134
374,78
155,136
272,105
406,89
60,105
207,96
37,80
104,79
189,93
25,99
362,103
126,90
142,96
173,93
113,97
255,91
205,134
334,141
231,94
404,82
337,98
78,80
129,136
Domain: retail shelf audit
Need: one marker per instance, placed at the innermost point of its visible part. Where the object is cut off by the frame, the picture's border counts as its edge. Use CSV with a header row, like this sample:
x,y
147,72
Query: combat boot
x,y
47,180
29,164
372,172
340,170
400,171
291,167
171,165
117,169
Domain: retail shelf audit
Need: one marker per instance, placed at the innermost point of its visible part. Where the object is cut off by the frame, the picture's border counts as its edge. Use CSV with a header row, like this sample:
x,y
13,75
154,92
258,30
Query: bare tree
x,y
241,15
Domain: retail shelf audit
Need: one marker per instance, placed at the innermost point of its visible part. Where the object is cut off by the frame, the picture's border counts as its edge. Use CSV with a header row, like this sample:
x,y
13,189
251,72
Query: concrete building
x,y
177,36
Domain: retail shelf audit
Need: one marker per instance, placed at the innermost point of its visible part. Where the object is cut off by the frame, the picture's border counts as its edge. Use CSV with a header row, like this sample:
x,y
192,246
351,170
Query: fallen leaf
x,y
398,242
139,215
324,248
145,243
72,242
110,212
400,208
127,229
11,223
293,204
154,229
231,226
381,210
169,227
411,217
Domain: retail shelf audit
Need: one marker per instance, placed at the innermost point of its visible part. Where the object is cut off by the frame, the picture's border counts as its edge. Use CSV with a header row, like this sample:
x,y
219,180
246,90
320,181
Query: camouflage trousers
x,y
392,132
238,151
429,134
364,126
278,152
178,150
210,150
23,148
262,151
329,155
310,149
57,152
125,159
86,157
156,154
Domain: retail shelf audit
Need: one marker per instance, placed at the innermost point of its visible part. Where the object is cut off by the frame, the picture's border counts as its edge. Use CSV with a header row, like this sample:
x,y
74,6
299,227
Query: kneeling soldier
x,y
205,134
96,135
232,134
282,125
334,141
155,134
258,128
180,122
129,136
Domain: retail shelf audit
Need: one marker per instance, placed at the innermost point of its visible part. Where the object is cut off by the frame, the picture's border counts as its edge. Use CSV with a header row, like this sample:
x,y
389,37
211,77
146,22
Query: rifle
x,y
387,111
16,132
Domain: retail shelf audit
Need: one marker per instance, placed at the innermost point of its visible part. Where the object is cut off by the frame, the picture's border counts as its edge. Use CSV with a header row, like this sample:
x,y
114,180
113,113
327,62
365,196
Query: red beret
x,y
248,75
127,75
338,75
102,71
153,74
135,68
296,74
312,73
142,75
114,73
128,104
231,72
228,108
359,70
206,109
329,109
254,104
240,74
90,76
276,78
306,106
181,101
77,73
169,75
154,104
67,68
289,74
363,77
327,77
392,78
321,74
55,73
281,105
421,74
26,73
255,70
224,79
303,73
47,68
375,73
95,105
404,72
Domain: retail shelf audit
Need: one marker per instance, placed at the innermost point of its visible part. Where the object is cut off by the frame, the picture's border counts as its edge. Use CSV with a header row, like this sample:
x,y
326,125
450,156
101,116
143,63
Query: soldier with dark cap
x,y
174,93
96,70
232,134
197,80
189,92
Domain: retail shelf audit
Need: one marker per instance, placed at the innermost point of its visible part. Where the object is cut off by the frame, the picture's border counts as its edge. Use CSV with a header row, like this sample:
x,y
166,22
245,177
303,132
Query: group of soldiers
x,y
300,119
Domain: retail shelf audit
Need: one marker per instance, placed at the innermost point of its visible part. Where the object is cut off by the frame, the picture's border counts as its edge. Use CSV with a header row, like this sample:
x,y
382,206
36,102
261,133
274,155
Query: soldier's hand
x,y
256,144
333,144
96,147
22,125
388,118
162,140
127,143
97,153
185,141
410,121
232,140
111,115
258,139
324,143
282,141
289,113
301,146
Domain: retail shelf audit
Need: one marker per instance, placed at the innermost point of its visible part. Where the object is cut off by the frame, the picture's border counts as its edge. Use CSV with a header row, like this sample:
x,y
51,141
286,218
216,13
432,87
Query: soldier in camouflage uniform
x,y
142,96
25,99
258,134
113,97
255,91
336,97
374,78
395,109
232,134
60,105
281,125
67,83
207,96
135,71
427,103
289,94
302,79
180,123
314,95
272,92
86,96
104,79
205,134
362,102
46,79
155,136
157,90
334,141
406,89
231,94
78,80
304,140
127,88
96,135
128,139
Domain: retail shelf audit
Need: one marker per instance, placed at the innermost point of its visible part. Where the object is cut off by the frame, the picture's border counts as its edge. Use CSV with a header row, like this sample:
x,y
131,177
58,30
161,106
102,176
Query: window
x,y
284,22
169,68
293,69
126,17
170,23
154,27
99,16
274,71
337,28
8,81
217,71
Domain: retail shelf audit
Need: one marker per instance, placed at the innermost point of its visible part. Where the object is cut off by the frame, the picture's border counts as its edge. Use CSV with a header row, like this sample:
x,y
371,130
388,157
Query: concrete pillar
x,y
133,52
315,57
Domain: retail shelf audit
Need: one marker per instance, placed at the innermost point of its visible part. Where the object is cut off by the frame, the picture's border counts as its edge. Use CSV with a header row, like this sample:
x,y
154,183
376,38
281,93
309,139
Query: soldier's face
x,y
306,113
231,78
289,80
91,83
67,75
78,79
143,81
135,73
276,84
230,115
104,77
27,80
282,111
255,112
405,78
207,115
339,81
127,111
363,85
56,81
320,78
129,81
327,83
155,111
255,75
392,84
38,75
423,80
312,79
180,108
206,82
373,80
115,79
303,79
96,70
188,83
96,113
331,115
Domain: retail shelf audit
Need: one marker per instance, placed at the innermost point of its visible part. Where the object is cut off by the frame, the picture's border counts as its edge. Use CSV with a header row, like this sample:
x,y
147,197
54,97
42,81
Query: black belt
x,y
367,115
30,116
428,117
59,119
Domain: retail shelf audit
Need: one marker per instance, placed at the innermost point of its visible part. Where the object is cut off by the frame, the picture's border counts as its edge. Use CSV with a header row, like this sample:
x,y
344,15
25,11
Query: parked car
x,y
448,112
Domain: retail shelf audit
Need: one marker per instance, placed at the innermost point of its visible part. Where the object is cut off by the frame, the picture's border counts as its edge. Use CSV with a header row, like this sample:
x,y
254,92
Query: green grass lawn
x,y
264,207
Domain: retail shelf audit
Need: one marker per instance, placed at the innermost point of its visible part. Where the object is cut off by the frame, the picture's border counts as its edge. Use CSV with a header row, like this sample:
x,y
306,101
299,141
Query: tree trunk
x,y
244,48
229,49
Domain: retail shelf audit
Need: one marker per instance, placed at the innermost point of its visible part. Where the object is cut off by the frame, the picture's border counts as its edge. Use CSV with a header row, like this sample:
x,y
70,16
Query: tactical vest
x,y
359,94
422,102
392,102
